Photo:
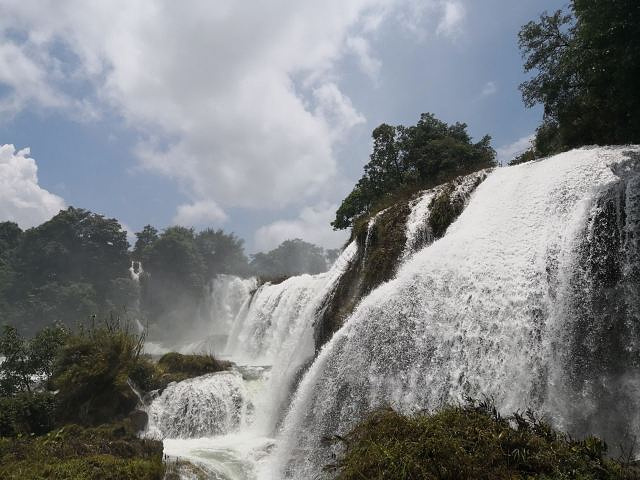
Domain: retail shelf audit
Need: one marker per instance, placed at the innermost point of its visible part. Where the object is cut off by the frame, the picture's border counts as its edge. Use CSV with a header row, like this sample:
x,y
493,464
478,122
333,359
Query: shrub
x,y
92,374
175,367
470,442
26,413
443,211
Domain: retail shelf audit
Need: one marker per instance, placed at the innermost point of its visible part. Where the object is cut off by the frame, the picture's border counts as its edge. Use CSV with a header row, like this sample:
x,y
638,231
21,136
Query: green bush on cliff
x,y
471,442
175,367
408,159
91,374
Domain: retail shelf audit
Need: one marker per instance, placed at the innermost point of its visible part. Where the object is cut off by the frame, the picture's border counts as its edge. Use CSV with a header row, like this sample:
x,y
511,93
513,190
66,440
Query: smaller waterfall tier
x,y
205,406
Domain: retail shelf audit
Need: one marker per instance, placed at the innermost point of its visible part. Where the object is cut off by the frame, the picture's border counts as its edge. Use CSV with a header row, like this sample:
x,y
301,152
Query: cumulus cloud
x,y
238,102
199,213
506,153
22,200
311,226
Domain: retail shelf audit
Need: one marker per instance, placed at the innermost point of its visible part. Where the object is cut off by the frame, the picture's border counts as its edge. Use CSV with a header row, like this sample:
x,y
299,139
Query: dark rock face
x,y
603,355
138,419
380,246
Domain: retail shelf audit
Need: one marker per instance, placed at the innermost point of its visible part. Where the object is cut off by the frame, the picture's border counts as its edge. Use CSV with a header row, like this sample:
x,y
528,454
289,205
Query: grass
x,y
110,452
471,442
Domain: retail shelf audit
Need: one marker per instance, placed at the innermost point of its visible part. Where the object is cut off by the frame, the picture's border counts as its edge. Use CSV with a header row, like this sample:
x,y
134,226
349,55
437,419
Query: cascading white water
x,y
418,231
210,405
486,310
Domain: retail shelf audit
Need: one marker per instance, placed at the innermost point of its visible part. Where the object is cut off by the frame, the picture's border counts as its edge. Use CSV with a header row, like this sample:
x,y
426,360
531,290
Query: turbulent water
x,y
506,305
532,297
210,405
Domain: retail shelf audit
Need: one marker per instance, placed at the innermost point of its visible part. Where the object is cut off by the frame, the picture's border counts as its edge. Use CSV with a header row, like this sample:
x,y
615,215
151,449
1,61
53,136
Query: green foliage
x,y
473,441
10,234
291,257
413,158
174,280
222,253
27,413
28,362
63,270
92,371
525,156
443,211
586,64
375,263
109,452
145,239
173,367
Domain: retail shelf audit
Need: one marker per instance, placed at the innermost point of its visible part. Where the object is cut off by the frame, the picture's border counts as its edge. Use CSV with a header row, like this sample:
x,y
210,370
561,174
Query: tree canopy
x,y
291,257
63,270
586,65
419,156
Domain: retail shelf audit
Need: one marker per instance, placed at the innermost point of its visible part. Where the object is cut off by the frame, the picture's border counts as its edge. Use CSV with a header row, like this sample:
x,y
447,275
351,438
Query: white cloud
x,y
27,79
506,153
236,101
490,88
202,213
369,64
22,200
312,225
420,17
451,23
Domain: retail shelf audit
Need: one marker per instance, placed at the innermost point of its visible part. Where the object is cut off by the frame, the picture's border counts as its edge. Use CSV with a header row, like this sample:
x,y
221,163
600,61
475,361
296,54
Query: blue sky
x,y
250,116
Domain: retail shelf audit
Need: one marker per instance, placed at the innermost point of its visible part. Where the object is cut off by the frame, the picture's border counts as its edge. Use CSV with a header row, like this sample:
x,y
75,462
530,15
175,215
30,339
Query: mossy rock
x,y
175,367
443,211
379,252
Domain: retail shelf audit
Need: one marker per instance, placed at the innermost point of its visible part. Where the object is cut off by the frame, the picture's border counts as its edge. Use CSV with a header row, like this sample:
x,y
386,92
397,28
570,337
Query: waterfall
x,y
531,297
227,297
210,405
135,270
280,316
225,422
277,329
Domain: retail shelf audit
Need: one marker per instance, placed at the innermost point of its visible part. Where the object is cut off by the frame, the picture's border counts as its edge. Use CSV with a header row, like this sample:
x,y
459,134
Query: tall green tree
x,y
585,64
222,253
67,268
174,279
418,156
144,240
291,257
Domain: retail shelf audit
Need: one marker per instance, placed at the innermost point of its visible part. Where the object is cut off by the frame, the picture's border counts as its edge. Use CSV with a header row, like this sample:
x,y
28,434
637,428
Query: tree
x,y
586,66
63,270
174,279
28,361
291,257
222,253
410,158
145,239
